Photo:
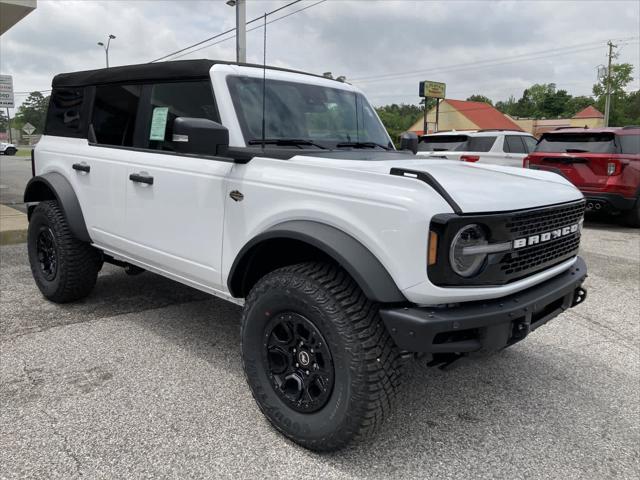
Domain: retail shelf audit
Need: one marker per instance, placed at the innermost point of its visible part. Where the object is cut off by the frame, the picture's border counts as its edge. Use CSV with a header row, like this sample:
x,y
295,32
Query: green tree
x,y
479,98
631,109
33,110
621,76
575,104
508,106
398,118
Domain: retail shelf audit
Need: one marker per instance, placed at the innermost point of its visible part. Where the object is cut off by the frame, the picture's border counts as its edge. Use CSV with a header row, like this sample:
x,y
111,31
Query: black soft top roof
x,y
174,70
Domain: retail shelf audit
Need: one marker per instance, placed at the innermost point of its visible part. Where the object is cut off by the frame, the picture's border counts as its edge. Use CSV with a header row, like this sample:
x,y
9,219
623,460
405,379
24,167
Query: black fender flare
x,y
363,266
38,190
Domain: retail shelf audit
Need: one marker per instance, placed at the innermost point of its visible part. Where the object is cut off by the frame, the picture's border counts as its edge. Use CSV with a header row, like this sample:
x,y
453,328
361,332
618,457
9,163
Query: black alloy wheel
x,y
47,253
298,362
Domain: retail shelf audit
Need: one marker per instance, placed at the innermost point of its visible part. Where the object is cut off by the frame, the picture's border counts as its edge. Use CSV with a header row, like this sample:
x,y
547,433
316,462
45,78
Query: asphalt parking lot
x,y
143,380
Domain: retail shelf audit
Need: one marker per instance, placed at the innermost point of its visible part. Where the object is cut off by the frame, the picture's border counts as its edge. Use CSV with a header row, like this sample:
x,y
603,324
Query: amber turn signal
x,y
433,248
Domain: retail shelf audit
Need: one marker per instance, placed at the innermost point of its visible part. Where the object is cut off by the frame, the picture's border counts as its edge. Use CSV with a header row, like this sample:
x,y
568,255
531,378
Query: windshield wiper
x,y
576,150
295,142
361,145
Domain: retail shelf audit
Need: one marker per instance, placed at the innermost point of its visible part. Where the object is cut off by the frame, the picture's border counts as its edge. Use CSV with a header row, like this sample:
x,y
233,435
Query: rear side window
x,y
441,143
577,143
172,100
64,116
514,144
530,143
114,114
630,144
477,144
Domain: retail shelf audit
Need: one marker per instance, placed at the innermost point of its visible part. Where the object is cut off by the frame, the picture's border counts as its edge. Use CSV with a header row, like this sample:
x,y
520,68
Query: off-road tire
x,y
77,262
366,361
632,217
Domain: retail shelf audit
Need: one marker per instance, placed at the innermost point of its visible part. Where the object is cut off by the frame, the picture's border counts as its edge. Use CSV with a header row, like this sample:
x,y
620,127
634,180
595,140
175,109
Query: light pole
x,y
241,29
106,47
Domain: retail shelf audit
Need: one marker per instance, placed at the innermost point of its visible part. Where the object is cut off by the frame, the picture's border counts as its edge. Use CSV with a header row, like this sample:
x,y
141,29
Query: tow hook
x,y
578,296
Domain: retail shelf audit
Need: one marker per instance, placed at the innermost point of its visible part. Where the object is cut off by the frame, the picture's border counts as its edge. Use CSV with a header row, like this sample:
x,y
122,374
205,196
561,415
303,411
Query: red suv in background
x,y
604,163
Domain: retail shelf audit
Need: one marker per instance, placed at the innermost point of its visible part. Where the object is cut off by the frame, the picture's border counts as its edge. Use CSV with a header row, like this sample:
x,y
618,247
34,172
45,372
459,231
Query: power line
x,y
224,33
489,62
251,29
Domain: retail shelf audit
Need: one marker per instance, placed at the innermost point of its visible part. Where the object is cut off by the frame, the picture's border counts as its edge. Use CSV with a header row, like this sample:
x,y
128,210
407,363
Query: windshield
x,y
320,115
577,143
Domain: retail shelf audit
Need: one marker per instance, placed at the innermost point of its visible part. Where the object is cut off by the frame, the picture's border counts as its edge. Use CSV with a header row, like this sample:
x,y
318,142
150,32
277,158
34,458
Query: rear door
x,y
174,220
515,150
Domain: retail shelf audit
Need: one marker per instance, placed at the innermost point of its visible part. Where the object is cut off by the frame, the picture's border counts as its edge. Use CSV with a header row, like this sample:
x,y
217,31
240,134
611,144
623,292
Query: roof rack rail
x,y
499,130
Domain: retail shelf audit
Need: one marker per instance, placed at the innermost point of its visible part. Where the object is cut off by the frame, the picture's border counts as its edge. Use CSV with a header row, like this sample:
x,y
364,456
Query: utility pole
x,y
241,29
607,105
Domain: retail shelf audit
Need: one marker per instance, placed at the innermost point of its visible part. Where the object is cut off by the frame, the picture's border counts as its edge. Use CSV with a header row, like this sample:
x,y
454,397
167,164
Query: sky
x,y
385,47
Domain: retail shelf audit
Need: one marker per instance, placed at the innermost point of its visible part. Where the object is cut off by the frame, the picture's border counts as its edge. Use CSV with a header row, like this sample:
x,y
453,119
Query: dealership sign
x,y
6,91
432,89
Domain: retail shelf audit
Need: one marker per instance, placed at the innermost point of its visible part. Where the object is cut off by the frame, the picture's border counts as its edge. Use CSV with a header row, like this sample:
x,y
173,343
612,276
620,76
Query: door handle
x,y
140,178
81,167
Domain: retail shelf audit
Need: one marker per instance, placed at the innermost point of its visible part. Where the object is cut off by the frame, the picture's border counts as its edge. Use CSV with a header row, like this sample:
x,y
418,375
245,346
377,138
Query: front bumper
x,y
485,326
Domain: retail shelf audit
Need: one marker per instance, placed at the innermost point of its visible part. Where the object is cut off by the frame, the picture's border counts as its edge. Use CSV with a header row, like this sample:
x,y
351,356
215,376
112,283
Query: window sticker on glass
x,y
158,123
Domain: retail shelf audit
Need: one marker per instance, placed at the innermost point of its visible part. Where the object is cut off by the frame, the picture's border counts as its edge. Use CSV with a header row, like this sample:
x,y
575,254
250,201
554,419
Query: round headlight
x,y
464,261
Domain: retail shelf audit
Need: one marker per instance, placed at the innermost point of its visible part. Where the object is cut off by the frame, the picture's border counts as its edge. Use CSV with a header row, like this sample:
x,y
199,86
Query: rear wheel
x,y
318,359
632,217
64,268
10,151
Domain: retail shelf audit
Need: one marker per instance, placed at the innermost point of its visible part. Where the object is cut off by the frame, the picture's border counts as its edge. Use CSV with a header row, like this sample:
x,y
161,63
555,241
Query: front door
x,y
175,203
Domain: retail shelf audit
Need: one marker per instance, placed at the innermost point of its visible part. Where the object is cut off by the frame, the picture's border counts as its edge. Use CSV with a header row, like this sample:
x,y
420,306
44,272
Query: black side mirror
x,y
200,135
409,141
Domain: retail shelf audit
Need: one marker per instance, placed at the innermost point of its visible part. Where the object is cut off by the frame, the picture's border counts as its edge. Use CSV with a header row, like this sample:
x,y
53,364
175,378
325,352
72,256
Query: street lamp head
x,y
101,44
112,36
231,3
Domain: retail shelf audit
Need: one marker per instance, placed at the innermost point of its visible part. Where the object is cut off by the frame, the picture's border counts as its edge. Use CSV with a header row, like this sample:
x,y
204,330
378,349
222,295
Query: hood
x,y
474,187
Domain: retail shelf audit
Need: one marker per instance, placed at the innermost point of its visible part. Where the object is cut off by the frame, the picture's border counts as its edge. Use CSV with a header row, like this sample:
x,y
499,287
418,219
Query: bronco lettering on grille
x,y
547,236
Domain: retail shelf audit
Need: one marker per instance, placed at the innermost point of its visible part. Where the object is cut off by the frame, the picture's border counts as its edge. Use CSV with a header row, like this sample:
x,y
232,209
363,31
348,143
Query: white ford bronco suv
x,y
281,191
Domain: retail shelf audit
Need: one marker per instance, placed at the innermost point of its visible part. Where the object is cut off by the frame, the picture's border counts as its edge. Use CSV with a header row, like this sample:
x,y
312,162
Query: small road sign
x,y
28,128
6,91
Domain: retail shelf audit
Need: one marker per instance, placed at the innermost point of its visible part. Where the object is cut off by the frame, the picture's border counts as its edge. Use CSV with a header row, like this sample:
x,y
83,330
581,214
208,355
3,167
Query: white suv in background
x,y
499,147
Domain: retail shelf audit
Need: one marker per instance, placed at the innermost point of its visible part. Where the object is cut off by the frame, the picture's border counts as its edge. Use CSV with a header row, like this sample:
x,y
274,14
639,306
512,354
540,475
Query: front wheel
x,y
10,151
318,359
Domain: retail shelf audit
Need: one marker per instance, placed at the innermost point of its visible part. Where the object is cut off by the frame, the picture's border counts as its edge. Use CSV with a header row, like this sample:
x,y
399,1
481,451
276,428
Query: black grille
x,y
504,267
544,220
536,257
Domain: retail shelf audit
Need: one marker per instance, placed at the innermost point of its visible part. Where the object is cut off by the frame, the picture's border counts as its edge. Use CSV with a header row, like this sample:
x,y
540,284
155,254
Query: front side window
x,y
322,115
172,100
114,114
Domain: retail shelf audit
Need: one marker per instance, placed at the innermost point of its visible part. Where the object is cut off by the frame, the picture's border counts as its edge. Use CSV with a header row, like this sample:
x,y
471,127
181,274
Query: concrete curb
x,y
13,226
